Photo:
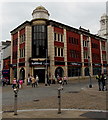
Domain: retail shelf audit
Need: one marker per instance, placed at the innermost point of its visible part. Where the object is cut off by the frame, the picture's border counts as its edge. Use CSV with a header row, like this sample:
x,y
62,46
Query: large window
x,y
74,71
39,41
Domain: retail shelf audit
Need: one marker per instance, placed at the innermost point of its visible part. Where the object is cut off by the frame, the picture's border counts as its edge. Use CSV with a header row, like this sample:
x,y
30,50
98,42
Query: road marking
x,y
90,110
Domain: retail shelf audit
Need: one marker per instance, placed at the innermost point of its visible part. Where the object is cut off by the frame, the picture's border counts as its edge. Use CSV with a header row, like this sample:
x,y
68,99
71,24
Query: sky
x,y
75,14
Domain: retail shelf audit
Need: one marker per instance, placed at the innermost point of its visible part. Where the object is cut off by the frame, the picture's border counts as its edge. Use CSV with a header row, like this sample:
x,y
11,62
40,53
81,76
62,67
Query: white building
x,y
103,32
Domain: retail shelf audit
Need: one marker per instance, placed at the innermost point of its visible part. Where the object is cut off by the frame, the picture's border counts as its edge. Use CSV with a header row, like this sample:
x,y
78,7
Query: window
x,y
61,38
74,54
58,37
103,47
22,38
55,51
22,53
85,43
55,36
85,55
73,40
94,45
58,51
39,41
62,52
104,57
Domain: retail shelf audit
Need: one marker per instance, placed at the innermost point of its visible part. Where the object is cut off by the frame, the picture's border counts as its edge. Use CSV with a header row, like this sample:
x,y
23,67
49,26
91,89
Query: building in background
x,y
6,62
3,44
103,32
45,47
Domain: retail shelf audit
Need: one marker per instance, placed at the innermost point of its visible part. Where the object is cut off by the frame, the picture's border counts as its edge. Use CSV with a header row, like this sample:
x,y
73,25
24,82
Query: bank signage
x,y
97,64
74,64
34,63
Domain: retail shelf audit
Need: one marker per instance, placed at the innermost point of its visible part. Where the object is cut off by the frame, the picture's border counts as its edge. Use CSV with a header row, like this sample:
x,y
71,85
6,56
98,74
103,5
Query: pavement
x,y
83,111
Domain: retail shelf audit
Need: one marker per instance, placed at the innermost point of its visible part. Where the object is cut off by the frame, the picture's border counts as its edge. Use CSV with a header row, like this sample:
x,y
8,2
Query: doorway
x,y
41,74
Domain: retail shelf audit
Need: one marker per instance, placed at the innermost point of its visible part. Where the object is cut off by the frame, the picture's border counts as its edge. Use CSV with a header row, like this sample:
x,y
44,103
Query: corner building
x,y
46,47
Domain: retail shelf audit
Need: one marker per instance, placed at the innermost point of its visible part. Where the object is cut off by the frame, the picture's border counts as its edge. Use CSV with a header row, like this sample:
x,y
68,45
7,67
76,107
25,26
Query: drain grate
x,y
73,91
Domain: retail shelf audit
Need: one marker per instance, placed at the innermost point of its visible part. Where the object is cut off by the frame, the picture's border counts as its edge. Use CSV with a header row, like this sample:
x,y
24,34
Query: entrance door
x,y
41,75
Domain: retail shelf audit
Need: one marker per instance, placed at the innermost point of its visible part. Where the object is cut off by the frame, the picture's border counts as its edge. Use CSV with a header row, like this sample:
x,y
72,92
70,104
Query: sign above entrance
x,y
34,63
74,64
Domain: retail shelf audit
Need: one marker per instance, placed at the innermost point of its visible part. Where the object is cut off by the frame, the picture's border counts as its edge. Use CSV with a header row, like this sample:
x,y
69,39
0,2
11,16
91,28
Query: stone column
x,y
82,54
51,49
18,56
65,53
28,49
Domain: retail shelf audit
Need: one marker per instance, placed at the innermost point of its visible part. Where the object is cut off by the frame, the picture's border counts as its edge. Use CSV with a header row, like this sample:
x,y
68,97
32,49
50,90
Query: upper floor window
x,y
85,55
103,47
58,37
22,38
104,57
74,54
73,40
59,52
22,53
85,43
94,45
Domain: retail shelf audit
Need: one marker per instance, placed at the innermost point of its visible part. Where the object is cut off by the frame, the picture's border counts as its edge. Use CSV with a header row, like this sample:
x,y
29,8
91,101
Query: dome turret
x,y
40,12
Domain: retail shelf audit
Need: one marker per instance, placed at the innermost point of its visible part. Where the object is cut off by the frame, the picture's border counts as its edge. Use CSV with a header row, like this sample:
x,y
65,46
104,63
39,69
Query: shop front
x,y
39,68
74,69
97,68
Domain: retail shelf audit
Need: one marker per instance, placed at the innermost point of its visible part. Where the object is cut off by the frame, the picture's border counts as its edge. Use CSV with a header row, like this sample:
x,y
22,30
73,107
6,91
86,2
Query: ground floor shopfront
x,y
47,70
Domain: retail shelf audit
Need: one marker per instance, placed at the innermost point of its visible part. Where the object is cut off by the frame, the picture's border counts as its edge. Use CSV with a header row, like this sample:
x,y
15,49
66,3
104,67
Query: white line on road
x,y
90,110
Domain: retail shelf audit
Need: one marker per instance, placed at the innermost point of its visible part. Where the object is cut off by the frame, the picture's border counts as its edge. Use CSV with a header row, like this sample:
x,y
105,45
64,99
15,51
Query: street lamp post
x,y
89,64
46,69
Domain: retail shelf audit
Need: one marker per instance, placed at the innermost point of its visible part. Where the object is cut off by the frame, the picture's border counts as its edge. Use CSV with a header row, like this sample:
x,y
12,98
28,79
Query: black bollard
x,y
59,100
15,100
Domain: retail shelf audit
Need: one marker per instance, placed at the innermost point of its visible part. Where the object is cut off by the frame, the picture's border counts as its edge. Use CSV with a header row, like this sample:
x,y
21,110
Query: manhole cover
x,y
73,92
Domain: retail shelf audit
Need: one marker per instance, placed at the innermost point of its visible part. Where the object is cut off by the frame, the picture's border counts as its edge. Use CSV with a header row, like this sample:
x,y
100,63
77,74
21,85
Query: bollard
x,y
59,101
15,101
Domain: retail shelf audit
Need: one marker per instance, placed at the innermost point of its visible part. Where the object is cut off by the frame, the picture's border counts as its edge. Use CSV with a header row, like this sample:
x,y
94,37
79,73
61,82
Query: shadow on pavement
x,y
96,115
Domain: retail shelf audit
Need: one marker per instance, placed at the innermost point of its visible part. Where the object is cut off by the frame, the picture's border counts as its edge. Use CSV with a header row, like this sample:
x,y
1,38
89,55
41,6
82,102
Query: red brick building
x,y
42,46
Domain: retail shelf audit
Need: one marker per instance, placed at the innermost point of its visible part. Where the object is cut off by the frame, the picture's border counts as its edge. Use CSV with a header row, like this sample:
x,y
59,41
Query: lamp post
x,y
89,64
46,69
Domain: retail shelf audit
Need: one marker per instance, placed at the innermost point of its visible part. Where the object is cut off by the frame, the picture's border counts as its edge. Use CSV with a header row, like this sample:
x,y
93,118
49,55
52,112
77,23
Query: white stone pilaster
x,y
82,54
65,53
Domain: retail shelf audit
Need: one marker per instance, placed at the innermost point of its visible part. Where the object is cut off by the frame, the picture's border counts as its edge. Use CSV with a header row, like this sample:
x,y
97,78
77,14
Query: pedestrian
x,y
65,80
100,84
29,80
33,81
48,81
14,83
103,79
3,82
37,80
58,78
20,83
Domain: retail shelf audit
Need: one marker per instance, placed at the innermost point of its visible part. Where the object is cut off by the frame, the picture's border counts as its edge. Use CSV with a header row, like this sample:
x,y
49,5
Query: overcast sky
x,y
75,14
